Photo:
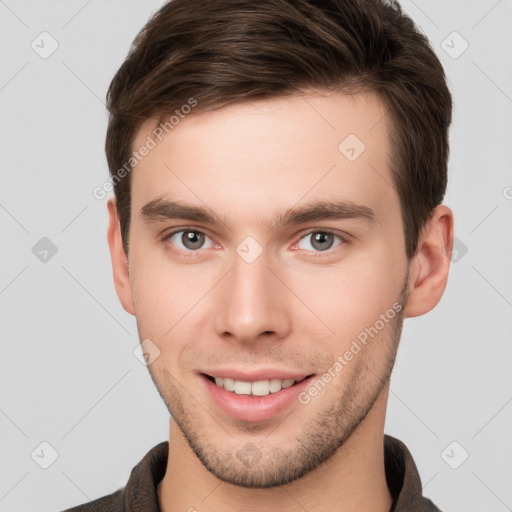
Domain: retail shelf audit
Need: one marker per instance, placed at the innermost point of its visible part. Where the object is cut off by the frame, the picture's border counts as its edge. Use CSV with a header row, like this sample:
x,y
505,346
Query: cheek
x,y
158,292
349,297
169,298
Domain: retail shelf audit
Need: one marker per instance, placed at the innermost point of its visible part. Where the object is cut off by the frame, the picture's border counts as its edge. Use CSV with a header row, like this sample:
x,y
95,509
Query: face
x,y
267,245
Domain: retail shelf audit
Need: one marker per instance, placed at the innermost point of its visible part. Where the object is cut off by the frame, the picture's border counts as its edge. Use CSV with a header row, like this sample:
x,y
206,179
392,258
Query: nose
x,y
252,303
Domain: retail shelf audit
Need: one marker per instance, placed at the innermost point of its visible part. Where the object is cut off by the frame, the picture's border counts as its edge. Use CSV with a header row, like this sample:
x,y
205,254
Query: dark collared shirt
x,y
140,493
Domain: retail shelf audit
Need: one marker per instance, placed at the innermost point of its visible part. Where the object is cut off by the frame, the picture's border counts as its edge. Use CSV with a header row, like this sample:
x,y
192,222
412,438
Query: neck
x,y
352,479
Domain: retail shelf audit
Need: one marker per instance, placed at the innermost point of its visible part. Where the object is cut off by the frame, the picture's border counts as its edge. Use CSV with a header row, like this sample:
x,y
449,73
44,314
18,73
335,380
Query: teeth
x,y
275,385
242,388
260,388
229,384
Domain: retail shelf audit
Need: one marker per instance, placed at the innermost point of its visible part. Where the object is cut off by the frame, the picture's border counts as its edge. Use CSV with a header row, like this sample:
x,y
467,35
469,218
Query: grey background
x,y
68,373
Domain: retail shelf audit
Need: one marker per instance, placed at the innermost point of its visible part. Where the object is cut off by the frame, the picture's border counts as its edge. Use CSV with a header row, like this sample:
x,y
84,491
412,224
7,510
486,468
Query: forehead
x,y
269,153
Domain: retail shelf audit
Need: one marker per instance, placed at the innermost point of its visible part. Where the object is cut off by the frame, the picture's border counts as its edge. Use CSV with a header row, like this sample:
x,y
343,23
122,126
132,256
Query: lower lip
x,y
254,408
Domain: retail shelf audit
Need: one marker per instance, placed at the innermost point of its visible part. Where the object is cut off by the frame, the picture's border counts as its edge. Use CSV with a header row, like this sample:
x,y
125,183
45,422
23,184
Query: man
x,y
279,168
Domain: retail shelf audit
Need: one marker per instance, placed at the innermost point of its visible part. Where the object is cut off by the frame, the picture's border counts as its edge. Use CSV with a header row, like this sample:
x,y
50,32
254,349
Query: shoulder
x,y
403,479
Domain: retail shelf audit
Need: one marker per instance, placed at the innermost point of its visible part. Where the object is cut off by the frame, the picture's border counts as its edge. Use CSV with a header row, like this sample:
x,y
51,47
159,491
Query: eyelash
x,y
192,253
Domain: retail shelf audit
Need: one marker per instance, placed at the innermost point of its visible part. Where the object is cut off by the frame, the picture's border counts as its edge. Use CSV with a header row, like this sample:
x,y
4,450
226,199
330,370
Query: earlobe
x,y
429,269
119,259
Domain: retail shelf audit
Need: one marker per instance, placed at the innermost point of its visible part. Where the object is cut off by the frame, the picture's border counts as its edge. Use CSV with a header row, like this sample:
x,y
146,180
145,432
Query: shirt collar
x,y
402,478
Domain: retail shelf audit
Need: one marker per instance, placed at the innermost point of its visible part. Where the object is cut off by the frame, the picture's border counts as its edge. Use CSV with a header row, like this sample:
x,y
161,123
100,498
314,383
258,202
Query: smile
x,y
255,399
259,388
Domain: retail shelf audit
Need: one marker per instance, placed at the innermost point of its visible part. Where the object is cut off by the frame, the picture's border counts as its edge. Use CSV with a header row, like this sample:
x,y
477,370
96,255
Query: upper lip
x,y
255,375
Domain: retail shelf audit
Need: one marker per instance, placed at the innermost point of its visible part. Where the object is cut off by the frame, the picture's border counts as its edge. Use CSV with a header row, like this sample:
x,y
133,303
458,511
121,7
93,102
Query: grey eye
x,y
190,240
318,241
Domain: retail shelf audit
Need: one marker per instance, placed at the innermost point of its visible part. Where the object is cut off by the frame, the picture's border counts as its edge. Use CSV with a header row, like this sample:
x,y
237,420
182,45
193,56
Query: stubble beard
x,y
320,437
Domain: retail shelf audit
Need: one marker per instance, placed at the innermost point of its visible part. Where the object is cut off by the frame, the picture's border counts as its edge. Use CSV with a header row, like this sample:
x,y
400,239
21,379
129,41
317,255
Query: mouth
x,y
259,388
255,400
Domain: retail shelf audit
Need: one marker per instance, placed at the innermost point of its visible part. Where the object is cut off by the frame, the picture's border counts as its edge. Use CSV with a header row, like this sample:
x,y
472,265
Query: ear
x,y
429,267
119,259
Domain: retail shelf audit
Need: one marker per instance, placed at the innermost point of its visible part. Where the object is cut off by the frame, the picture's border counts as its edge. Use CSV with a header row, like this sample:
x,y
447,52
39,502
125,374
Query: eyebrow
x,y
163,209
325,210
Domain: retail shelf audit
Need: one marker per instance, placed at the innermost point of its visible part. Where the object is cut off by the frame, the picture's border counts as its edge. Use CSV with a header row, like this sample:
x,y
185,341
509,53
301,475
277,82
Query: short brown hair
x,y
224,51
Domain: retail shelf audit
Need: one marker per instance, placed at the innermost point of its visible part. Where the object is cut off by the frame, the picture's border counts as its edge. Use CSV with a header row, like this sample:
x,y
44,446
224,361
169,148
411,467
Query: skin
x,y
295,307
